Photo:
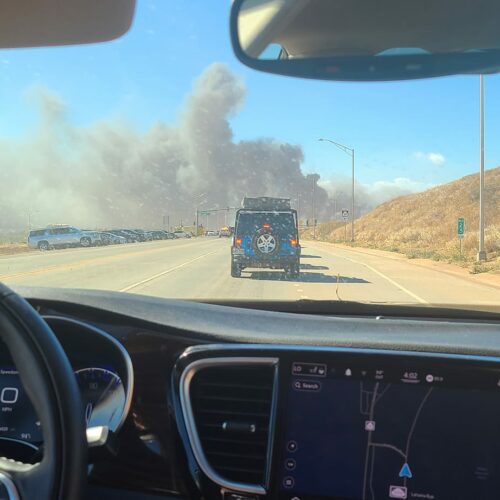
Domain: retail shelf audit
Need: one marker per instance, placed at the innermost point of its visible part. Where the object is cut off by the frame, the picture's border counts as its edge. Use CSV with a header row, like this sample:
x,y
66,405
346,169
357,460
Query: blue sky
x,y
425,131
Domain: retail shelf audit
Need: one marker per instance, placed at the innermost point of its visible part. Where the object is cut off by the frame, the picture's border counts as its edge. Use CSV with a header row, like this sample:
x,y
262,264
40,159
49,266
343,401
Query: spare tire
x,y
265,243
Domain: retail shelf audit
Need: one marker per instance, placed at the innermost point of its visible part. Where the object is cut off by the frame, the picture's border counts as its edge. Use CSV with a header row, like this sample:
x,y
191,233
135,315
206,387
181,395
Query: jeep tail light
x,y
237,242
293,243
266,226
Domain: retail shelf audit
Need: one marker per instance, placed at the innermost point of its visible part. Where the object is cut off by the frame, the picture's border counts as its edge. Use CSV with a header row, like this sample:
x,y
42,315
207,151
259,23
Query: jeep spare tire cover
x,y
265,243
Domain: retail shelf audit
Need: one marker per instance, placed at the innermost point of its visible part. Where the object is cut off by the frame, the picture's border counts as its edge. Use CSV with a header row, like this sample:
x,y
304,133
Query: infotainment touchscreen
x,y
379,432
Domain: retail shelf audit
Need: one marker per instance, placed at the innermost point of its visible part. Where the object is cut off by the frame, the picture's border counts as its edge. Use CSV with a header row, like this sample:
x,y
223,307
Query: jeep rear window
x,y
249,223
39,232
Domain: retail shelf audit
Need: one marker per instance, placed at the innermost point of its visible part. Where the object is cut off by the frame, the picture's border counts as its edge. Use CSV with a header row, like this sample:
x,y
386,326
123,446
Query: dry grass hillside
x,y
425,224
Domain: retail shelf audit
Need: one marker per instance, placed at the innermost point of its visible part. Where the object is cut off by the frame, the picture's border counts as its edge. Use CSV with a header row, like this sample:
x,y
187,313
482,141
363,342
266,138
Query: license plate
x,y
238,251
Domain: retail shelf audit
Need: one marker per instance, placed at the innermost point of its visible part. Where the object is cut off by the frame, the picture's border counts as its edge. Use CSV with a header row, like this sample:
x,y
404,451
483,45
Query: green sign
x,y
461,227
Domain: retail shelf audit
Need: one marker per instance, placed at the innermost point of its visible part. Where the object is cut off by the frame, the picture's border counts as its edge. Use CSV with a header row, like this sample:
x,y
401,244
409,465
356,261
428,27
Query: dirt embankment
x,y
424,225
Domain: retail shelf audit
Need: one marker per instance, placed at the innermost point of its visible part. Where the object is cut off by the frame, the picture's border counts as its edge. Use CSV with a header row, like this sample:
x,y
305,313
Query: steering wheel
x,y
49,381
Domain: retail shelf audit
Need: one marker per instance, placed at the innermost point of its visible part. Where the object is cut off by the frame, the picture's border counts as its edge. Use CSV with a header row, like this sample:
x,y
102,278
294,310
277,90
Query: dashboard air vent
x,y
232,410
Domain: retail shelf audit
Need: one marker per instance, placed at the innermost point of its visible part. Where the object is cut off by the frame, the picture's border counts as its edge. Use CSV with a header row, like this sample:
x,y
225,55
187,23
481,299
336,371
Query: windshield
x,y
160,136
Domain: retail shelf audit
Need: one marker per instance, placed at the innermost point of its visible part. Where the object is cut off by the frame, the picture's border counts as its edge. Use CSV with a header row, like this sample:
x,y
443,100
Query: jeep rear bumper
x,y
278,262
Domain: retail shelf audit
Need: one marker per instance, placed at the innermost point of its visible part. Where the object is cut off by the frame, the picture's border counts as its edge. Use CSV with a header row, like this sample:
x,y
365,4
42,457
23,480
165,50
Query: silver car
x,y
62,236
111,239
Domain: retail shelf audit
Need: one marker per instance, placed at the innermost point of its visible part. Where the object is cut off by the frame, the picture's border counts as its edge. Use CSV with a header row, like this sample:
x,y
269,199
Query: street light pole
x,y
314,207
350,152
352,199
481,255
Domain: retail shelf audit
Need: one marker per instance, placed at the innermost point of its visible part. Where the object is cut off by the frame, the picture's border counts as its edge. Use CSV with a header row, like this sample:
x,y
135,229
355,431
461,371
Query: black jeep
x,y
266,236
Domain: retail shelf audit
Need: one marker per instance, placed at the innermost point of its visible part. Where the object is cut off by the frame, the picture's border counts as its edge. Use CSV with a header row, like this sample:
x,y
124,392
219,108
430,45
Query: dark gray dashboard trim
x,y
219,324
274,349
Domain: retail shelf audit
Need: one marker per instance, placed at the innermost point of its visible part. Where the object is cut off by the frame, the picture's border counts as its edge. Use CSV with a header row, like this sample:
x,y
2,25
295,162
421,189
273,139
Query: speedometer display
x,y
17,415
103,396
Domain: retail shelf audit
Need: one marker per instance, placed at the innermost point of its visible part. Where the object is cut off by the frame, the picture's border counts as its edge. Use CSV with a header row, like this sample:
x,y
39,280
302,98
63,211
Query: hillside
x,y
425,224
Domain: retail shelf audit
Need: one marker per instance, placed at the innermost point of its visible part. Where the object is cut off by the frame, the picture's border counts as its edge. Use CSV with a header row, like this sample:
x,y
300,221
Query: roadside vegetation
x,y
424,225
13,242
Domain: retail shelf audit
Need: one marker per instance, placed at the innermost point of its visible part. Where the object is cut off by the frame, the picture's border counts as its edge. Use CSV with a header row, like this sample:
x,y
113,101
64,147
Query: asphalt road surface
x,y
200,269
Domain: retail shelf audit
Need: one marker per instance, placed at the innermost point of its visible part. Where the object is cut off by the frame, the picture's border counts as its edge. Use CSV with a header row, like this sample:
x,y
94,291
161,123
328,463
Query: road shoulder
x,y
492,280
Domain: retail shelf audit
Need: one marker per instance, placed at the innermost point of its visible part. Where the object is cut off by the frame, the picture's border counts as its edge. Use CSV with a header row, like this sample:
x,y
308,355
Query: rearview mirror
x,y
38,23
367,40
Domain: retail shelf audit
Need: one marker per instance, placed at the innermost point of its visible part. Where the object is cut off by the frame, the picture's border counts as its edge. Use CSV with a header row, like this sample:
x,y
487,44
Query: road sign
x,y
345,213
461,227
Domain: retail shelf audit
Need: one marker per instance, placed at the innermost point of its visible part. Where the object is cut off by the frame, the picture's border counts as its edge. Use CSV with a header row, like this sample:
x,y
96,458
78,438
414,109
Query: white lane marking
x,y
390,280
167,271
299,290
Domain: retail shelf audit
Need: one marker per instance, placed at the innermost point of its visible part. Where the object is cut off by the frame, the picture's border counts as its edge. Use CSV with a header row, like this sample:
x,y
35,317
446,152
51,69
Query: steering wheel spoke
x,y
22,480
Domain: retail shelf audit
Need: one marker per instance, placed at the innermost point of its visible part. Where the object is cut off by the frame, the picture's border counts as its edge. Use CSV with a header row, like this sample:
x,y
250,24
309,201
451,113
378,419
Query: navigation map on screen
x,y
360,436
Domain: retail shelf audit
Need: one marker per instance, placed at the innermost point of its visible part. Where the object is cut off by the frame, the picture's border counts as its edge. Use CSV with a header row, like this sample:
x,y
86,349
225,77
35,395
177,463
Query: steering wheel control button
x,y
288,482
290,464
292,446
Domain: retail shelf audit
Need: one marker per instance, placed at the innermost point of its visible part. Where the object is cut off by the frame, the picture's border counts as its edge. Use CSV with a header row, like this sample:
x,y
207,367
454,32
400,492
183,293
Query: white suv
x,y
62,236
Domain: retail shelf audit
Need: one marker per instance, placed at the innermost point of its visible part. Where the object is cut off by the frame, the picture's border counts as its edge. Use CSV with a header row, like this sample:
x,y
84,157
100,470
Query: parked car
x,y
62,236
139,236
129,237
166,235
212,233
182,234
159,235
145,235
169,235
132,235
109,238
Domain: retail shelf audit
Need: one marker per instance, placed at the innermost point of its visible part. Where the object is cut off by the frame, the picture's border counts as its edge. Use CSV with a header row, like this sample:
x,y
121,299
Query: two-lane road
x,y
199,269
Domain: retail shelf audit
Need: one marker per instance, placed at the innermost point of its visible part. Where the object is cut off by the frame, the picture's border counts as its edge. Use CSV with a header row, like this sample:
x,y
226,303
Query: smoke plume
x,y
110,175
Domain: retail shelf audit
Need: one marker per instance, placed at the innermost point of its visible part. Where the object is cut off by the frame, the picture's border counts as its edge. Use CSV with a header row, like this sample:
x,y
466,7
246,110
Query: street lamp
x,y
350,152
481,255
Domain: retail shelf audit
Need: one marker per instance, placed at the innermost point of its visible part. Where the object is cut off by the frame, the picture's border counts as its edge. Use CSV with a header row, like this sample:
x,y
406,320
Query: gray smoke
x,y
367,196
109,174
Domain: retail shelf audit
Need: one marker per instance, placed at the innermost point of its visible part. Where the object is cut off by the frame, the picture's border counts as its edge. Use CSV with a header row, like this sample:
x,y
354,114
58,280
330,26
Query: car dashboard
x,y
206,401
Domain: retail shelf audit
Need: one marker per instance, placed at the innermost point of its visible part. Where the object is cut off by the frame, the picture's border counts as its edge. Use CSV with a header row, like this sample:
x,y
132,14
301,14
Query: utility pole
x,y
352,199
481,255
314,207
198,203
30,218
350,152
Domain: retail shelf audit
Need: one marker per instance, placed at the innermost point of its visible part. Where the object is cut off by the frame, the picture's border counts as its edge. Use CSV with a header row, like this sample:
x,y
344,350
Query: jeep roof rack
x,y
266,203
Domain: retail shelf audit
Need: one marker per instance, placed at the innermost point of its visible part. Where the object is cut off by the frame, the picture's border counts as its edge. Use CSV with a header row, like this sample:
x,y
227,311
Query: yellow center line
x,y
88,262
